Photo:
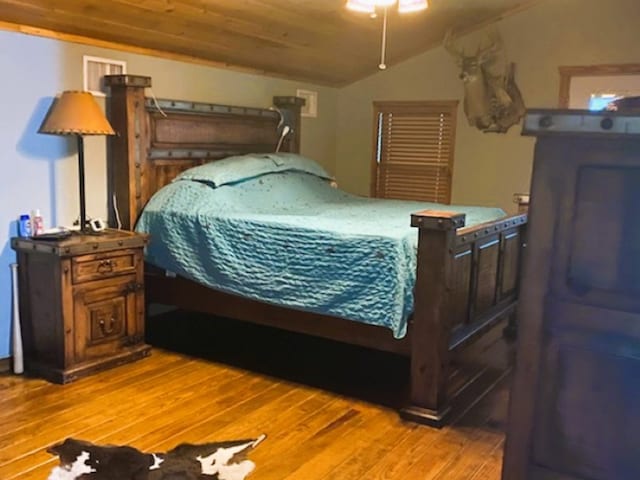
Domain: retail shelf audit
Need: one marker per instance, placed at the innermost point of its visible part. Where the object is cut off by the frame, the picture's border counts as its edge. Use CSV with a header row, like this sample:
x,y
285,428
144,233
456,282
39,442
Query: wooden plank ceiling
x,y
313,40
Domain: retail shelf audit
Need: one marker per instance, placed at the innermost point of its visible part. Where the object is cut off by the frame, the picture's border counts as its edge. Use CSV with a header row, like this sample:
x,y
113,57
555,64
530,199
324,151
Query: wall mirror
x,y
593,87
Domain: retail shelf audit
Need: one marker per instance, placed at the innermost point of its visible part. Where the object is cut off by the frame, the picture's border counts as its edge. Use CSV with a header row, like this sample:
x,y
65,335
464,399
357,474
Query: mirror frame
x,y
568,72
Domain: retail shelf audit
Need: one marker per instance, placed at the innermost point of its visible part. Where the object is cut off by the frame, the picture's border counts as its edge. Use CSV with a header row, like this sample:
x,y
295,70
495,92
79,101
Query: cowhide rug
x,y
80,460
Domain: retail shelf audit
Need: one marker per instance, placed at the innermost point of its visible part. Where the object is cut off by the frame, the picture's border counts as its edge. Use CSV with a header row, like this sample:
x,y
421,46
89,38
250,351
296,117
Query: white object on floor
x,y
16,337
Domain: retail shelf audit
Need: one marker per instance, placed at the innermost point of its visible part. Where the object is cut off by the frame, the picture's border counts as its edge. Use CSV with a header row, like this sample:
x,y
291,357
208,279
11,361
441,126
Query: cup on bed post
x,y
429,329
293,105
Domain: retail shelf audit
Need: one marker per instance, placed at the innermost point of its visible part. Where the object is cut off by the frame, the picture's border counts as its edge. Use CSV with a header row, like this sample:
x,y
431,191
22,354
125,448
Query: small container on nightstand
x,y
81,303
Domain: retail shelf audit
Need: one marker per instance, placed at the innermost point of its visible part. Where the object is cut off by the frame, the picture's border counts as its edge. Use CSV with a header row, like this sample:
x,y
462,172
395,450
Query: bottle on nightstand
x,y
37,223
24,226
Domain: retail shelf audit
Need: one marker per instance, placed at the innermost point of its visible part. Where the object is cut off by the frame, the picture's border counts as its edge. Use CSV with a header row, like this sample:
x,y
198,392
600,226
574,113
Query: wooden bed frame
x,y
467,277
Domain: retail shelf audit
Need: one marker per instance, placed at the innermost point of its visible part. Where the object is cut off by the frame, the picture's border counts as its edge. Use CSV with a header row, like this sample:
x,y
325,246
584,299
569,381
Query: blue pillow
x,y
243,167
293,161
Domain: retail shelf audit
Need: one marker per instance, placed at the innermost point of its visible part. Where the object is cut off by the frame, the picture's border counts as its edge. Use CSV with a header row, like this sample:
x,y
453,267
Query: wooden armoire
x,y
575,401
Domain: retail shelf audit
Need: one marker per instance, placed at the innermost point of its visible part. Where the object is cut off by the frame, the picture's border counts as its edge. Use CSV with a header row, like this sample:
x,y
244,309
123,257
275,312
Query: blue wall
x,y
30,78
40,171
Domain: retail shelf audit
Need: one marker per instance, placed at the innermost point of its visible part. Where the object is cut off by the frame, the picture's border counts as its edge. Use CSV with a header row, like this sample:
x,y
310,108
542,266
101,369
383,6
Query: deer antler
x,y
495,45
451,46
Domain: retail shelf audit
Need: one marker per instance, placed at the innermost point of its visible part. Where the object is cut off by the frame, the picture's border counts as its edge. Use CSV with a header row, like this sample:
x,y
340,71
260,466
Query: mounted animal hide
x,y
216,461
492,100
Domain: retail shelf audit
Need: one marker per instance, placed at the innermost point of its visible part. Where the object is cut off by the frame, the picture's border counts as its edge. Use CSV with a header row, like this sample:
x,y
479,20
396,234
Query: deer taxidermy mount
x,y
492,100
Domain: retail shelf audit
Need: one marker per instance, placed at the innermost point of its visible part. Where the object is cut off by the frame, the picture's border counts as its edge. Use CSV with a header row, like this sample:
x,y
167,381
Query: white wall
x,y
40,171
488,167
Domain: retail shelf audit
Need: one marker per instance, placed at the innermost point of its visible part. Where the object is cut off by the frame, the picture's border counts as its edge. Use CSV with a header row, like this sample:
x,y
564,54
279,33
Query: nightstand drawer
x,y
95,267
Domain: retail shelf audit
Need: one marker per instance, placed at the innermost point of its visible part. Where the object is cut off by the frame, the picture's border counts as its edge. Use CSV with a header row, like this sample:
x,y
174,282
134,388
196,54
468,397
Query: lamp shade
x,y
76,113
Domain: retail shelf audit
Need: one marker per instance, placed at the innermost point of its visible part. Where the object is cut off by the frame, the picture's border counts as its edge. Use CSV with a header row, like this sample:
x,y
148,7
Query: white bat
x,y
18,361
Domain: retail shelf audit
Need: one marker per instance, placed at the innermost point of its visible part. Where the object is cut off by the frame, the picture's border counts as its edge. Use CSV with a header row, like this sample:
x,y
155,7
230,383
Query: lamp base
x,y
93,226
87,231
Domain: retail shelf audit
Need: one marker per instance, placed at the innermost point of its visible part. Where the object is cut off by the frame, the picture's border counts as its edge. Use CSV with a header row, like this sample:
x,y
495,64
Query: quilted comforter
x,y
282,234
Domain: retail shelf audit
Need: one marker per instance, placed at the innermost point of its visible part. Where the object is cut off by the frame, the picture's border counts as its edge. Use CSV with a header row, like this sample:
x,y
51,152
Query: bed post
x,y
126,149
429,327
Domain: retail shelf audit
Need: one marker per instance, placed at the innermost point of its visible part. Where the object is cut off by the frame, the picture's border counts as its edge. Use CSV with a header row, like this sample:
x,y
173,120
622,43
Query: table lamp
x,y
77,113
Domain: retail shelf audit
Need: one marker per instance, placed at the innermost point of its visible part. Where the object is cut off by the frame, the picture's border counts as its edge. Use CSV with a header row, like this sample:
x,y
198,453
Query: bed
x,y
464,279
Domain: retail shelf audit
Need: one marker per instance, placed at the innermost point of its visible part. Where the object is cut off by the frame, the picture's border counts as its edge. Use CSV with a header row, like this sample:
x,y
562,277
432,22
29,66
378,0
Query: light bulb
x,y
408,6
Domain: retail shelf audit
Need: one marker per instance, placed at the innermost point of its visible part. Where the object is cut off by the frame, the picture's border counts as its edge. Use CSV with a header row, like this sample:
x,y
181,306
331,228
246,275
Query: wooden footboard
x,y
467,281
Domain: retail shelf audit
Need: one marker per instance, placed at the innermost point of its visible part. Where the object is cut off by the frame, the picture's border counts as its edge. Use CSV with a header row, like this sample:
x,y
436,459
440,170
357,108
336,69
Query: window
x,y
413,155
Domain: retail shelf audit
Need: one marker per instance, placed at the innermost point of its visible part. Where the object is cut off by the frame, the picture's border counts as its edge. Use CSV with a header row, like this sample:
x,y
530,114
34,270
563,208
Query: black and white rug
x,y
81,460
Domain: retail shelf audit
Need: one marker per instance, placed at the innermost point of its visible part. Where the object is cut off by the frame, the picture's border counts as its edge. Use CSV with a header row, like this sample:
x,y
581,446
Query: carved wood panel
x,y
105,313
487,255
585,424
199,131
461,283
510,263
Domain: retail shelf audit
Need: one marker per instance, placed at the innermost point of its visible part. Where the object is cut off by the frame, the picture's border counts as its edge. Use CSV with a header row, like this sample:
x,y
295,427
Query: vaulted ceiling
x,y
314,40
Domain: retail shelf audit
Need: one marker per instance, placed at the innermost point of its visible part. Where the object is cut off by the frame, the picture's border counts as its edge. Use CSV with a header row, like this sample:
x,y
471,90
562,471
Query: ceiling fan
x,y
370,6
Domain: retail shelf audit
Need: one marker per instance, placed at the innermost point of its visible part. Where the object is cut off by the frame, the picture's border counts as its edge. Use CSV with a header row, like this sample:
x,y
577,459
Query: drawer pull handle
x,y
112,325
106,266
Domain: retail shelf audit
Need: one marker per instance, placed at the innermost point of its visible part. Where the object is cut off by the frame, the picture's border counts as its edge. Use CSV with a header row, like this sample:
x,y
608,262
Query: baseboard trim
x,y
5,365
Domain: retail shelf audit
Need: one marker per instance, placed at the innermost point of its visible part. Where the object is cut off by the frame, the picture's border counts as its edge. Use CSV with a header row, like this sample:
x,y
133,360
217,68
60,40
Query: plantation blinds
x,y
413,154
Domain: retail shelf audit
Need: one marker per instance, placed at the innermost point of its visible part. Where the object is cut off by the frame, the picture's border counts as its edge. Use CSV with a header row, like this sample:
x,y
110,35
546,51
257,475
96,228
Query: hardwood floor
x,y
313,431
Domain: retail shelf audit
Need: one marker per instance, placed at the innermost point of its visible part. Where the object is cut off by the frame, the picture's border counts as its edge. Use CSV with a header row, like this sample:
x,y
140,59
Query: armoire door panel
x,y
606,206
581,418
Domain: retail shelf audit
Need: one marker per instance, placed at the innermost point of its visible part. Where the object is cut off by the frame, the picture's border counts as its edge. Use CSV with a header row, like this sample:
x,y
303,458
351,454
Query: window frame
x,y
381,107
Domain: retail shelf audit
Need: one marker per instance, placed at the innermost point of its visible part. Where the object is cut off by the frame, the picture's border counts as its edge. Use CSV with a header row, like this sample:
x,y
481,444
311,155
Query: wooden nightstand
x,y
81,303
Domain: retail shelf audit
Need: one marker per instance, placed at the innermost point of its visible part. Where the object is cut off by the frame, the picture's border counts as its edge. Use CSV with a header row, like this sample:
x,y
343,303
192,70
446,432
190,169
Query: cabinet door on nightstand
x,y
104,318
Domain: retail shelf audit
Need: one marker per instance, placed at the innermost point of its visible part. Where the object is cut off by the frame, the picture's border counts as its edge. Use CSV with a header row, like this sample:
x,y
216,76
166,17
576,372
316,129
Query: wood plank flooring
x,y
313,431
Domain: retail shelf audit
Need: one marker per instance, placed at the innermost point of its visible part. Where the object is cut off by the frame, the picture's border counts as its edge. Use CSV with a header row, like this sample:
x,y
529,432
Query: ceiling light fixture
x,y
369,6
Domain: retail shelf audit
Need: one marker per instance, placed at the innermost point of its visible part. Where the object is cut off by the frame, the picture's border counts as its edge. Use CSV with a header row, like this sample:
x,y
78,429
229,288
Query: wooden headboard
x,y
157,139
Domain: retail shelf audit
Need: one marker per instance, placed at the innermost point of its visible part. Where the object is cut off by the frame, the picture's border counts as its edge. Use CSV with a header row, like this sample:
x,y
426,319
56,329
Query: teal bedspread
x,y
284,235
